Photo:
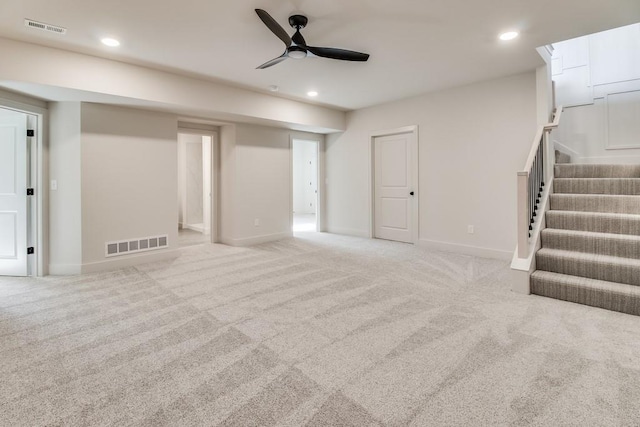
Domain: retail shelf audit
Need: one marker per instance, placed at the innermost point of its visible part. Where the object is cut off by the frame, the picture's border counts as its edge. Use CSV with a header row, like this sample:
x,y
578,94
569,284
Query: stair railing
x,y
537,173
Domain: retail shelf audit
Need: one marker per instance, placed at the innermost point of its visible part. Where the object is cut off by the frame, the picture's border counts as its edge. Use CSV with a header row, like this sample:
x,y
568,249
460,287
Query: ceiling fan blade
x,y
274,61
274,26
298,39
345,55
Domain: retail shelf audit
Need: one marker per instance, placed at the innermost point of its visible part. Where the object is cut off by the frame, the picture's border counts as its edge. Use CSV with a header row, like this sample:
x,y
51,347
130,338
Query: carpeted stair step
x,y
618,186
596,293
617,245
594,221
562,157
572,170
599,267
595,203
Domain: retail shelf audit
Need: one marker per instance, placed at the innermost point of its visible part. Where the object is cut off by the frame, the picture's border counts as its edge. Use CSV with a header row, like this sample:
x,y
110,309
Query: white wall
x,y
256,182
305,176
194,176
65,208
228,192
597,79
40,65
129,180
207,171
194,181
472,140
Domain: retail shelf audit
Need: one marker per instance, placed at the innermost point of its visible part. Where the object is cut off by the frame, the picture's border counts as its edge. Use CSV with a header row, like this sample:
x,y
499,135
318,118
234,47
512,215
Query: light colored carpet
x,y
320,330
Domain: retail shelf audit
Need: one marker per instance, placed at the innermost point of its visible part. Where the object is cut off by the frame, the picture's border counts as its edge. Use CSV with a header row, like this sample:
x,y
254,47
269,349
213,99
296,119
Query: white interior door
x,y
394,188
312,175
13,193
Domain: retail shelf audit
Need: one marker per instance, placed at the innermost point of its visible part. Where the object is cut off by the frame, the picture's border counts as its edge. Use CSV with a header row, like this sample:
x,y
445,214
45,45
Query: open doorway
x,y
195,189
305,155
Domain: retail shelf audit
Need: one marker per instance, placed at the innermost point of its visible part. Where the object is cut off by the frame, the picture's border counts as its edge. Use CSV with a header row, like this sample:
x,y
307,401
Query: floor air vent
x,y
45,27
124,247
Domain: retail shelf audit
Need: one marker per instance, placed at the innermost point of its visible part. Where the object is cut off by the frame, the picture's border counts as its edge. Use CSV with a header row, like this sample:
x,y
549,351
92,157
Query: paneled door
x,y
394,187
13,193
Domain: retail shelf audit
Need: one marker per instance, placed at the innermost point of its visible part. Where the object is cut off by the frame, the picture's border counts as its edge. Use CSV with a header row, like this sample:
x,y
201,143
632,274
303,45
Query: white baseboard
x,y
348,231
129,260
466,249
574,154
256,240
64,269
197,228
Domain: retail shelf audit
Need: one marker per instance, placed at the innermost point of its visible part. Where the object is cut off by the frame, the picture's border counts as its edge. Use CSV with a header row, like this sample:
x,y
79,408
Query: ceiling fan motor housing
x,y
298,21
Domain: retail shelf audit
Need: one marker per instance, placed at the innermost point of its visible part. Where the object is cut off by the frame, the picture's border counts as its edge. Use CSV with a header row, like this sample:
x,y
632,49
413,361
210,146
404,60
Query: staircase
x,y
591,247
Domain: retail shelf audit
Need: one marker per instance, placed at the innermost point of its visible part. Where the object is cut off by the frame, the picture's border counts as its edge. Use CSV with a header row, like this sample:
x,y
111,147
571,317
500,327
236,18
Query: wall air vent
x,y
131,246
44,27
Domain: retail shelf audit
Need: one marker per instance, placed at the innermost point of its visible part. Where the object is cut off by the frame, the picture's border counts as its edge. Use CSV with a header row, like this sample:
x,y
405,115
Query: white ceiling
x,y
416,46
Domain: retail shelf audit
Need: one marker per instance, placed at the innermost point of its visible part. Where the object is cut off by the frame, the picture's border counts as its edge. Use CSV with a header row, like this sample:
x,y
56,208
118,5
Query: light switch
x,y
54,185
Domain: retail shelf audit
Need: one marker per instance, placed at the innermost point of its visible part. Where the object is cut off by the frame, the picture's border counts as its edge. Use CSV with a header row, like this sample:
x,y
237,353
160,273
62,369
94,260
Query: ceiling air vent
x,y
44,27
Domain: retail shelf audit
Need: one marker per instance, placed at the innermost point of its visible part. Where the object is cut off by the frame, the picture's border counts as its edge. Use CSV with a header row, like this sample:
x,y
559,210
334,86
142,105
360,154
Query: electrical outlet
x,y
256,222
470,229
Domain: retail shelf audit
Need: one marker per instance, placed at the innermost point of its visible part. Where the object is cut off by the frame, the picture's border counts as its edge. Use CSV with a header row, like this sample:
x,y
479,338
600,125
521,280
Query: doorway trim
x,y
320,198
214,236
38,221
413,130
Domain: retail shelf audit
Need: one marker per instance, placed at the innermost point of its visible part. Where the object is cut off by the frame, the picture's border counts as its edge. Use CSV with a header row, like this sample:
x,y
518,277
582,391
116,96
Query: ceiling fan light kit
x,y
296,46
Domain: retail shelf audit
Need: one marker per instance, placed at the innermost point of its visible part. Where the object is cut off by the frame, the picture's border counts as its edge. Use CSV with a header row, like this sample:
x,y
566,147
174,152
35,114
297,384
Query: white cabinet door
x,y
393,180
13,193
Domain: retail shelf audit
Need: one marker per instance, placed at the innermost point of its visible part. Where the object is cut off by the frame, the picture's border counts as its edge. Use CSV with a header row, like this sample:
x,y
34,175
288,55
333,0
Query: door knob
x,y
411,193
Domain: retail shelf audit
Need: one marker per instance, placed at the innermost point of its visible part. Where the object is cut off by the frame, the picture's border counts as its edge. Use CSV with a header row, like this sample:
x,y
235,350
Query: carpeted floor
x,y
319,330
188,237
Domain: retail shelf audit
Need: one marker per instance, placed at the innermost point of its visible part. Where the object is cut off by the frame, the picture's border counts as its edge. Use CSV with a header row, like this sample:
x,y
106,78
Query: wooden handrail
x,y
556,119
539,135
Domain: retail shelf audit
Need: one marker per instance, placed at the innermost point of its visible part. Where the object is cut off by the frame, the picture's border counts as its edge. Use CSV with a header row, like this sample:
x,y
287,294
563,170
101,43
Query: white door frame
x,y
414,172
215,178
38,226
320,197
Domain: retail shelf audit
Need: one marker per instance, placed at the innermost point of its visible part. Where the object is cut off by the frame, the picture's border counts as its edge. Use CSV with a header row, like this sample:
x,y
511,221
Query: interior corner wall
x,y
129,181
65,210
256,182
544,93
472,141
227,183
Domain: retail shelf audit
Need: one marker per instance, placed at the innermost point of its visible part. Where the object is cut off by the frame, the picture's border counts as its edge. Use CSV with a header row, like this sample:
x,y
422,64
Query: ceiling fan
x,y
297,47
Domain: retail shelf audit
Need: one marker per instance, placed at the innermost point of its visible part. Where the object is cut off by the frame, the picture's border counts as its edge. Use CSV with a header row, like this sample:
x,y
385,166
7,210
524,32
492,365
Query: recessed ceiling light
x,y
509,35
312,93
108,41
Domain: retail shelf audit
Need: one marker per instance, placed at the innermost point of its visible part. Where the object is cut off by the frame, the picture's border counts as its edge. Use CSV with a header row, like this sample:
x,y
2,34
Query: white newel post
x,y
523,214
